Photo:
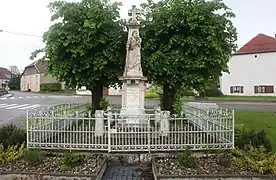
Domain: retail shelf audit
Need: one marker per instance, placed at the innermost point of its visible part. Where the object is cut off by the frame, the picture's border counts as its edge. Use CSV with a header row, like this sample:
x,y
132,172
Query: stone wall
x,y
54,176
45,177
210,177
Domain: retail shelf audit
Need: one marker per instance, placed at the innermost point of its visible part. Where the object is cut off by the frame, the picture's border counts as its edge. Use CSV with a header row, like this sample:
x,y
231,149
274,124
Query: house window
x,y
236,89
263,89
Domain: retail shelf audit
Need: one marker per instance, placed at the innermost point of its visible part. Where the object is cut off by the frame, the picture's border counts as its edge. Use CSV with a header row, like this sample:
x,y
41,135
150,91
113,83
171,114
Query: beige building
x,y
34,75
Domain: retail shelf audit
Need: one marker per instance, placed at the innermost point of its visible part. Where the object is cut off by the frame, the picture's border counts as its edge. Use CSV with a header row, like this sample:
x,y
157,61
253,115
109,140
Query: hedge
x,y
50,87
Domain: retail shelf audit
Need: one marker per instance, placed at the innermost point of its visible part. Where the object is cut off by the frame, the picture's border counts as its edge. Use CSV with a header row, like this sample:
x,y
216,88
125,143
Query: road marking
x,y
20,97
13,107
12,98
3,98
35,96
29,107
28,97
4,106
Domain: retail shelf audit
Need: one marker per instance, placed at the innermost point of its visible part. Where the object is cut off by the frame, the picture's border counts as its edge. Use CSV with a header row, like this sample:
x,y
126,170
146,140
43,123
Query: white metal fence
x,y
197,128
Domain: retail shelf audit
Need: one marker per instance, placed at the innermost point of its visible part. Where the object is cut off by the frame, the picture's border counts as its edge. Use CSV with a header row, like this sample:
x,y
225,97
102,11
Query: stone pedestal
x,y
133,99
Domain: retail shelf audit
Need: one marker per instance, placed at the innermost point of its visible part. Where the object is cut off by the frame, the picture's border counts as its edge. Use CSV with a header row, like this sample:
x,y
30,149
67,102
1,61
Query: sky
x,y
32,17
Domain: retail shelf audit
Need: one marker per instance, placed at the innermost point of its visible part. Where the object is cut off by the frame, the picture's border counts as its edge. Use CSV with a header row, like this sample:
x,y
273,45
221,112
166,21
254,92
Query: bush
x,y
50,87
33,157
12,135
213,92
71,160
254,159
12,153
188,93
187,159
225,159
152,95
104,103
245,136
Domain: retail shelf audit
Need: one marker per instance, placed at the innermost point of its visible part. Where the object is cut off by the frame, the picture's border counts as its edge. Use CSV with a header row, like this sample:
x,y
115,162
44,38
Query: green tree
x,y
86,45
186,43
14,83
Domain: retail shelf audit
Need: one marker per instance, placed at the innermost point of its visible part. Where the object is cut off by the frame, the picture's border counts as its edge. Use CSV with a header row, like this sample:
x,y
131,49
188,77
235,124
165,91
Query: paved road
x,y
13,108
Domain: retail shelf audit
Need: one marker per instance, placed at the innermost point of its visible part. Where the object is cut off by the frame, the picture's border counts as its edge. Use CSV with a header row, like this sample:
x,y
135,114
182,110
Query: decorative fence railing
x,y
196,128
208,116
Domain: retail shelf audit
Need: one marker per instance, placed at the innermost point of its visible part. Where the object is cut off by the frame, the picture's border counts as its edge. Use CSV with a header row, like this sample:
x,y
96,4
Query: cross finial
x,y
133,13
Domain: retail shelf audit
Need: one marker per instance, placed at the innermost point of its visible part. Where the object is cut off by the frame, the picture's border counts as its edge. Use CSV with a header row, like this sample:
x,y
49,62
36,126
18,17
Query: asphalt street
x,y
13,107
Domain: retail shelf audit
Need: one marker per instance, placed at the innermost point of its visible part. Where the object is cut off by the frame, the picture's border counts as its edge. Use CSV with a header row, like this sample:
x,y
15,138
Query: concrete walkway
x,y
122,173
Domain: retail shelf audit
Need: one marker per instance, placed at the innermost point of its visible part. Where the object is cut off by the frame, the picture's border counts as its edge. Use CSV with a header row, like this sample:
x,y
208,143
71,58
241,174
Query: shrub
x,y
213,92
104,103
50,87
12,153
12,135
187,159
152,95
225,159
71,160
33,157
254,159
188,93
245,136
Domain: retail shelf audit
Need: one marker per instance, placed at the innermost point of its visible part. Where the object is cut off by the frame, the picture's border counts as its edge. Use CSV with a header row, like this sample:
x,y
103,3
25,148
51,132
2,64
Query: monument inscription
x,y
133,96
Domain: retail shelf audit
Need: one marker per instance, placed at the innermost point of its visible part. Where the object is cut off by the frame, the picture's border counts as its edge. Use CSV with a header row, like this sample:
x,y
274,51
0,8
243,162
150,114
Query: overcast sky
x,y
32,17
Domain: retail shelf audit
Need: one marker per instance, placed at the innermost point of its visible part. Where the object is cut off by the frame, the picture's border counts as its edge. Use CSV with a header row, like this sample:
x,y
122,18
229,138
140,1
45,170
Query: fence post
x,y
164,123
233,125
157,115
148,119
27,128
109,119
99,123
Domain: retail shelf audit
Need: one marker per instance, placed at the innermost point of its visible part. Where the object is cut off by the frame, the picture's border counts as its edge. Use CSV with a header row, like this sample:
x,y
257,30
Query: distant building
x,y
5,76
252,69
34,75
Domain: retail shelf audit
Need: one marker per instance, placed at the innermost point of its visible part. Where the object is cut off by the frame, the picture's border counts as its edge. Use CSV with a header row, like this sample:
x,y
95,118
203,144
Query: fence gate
x,y
131,133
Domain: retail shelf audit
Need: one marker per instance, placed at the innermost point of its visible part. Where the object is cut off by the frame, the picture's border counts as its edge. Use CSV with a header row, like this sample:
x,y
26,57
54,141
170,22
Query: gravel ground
x,y
209,165
51,164
146,171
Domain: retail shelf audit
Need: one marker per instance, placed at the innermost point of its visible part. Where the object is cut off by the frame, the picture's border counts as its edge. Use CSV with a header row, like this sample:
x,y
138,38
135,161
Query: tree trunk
x,y
168,98
97,94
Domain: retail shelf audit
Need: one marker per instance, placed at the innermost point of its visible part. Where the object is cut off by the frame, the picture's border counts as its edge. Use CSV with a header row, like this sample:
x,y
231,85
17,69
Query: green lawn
x,y
246,98
259,121
235,98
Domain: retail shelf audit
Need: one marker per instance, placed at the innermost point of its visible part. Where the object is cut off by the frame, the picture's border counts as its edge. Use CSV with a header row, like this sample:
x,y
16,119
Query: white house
x,y
252,69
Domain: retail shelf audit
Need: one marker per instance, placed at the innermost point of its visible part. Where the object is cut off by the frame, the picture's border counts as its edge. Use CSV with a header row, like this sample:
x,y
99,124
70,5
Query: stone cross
x,y
133,13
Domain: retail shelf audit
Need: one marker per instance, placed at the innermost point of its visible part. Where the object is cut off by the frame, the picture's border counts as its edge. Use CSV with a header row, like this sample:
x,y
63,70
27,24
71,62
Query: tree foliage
x,y
85,45
186,43
14,83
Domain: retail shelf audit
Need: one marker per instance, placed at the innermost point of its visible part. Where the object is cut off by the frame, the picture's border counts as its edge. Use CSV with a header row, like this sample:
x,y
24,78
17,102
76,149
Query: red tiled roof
x,y
259,44
4,73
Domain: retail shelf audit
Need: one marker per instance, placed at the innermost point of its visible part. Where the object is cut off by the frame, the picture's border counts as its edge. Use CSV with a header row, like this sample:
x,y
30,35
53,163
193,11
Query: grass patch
x,y
260,121
243,98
